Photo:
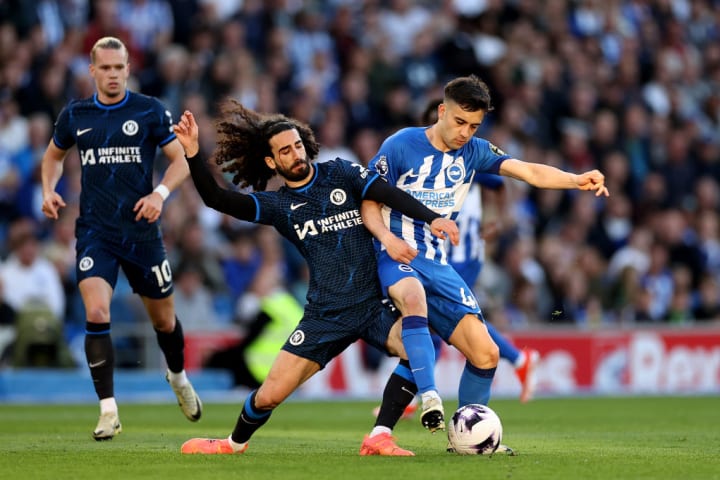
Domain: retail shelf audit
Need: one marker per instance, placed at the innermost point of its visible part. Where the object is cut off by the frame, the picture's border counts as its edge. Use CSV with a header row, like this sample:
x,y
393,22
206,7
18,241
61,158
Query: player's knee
x,y
267,398
97,314
413,303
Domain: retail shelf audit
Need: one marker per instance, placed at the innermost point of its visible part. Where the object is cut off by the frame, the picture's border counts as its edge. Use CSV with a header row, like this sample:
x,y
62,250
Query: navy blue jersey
x,y
117,146
322,219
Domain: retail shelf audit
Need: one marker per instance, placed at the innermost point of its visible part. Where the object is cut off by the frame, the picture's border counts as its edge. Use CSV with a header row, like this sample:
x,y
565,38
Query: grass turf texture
x,y
582,438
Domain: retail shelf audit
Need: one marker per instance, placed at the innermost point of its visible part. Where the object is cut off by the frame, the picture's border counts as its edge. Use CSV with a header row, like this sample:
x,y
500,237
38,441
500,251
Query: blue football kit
x,y
441,181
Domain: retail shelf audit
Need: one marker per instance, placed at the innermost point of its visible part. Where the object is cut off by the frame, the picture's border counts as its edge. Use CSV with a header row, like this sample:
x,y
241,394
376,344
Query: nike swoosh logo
x,y
83,131
295,206
407,391
417,369
96,364
165,289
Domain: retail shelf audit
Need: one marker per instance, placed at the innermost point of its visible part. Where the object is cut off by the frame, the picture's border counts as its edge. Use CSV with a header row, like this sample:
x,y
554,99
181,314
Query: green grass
x,y
586,438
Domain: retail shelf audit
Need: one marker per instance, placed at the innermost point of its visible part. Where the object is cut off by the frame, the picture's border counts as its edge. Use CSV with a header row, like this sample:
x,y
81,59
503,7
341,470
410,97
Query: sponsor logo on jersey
x,y
297,337
79,132
338,196
130,128
333,223
110,155
295,206
86,263
405,268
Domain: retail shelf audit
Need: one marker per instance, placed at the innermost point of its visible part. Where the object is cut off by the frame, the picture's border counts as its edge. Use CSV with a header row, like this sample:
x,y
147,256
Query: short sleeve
x,y
63,137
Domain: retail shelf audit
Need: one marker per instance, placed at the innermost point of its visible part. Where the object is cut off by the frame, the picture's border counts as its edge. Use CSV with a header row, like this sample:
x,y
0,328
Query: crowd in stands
x,y
631,87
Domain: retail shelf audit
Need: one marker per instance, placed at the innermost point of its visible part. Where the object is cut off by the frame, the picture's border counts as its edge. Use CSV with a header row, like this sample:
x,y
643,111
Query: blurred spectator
x,y
191,247
33,278
194,299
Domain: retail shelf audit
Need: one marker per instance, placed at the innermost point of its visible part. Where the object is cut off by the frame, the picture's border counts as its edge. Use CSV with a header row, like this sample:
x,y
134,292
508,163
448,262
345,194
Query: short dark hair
x,y
471,93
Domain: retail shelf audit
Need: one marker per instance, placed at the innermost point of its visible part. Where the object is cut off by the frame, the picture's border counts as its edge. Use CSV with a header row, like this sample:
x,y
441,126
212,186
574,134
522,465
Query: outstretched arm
x,y
236,204
546,176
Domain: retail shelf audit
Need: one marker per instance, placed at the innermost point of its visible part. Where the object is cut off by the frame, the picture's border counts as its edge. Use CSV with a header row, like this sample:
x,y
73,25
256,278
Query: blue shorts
x,y
320,337
145,264
449,298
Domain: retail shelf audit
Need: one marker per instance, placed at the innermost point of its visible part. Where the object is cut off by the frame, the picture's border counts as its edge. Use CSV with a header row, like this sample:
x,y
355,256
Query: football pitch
x,y
567,438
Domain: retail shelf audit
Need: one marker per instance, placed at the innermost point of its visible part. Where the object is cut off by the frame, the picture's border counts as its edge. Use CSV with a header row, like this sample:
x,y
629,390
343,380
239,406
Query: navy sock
x,y
173,347
399,392
250,420
100,356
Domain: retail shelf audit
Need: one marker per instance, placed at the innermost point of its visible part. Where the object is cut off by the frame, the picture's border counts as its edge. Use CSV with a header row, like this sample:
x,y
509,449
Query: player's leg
x,y
148,271
399,392
472,339
408,295
287,373
96,271
170,338
96,294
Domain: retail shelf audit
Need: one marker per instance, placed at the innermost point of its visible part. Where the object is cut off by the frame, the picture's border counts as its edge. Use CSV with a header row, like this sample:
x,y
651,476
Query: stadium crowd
x,y
631,87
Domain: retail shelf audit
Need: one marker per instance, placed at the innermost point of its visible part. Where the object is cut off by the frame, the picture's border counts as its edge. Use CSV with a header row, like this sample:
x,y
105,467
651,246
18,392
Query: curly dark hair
x,y
244,142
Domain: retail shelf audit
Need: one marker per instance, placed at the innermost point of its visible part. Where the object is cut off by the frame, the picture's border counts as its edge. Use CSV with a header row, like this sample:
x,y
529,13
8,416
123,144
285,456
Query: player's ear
x,y
270,162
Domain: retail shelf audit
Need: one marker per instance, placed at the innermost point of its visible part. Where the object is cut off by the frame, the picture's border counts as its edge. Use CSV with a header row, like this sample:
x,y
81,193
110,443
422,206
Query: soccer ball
x,y
475,430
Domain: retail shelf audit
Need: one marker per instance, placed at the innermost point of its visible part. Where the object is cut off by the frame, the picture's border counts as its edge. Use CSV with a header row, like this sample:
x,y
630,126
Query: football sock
x,y
100,357
420,351
508,351
172,345
235,445
108,405
475,385
399,392
249,421
178,379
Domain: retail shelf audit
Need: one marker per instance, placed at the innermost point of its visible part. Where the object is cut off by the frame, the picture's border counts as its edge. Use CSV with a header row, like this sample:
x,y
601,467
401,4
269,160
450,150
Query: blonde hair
x,y
110,43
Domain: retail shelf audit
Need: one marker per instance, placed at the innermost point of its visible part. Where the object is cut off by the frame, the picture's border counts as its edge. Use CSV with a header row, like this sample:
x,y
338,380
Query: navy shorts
x,y
449,298
145,264
320,337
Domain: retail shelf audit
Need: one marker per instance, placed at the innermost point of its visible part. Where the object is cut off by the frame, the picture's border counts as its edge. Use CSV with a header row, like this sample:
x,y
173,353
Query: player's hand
x,y
444,228
399,250
594,181
186,131
149,207
52,202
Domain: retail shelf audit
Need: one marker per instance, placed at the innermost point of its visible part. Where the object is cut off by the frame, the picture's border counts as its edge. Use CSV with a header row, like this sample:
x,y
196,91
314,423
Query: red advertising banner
x,y
642,361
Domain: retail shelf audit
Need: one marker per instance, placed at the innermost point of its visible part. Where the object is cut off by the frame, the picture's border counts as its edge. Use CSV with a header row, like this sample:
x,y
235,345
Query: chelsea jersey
x,y
117,145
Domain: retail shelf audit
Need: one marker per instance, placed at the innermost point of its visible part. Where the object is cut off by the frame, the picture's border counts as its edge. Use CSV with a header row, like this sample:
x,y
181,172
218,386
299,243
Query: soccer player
x,y
117,133
318,210
436,165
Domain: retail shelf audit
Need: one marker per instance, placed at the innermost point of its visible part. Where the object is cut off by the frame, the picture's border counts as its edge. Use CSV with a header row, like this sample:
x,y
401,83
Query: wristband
x,y
163,191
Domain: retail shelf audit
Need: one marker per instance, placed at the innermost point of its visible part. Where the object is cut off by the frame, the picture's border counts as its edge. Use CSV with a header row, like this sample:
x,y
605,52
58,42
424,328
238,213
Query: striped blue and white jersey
x,y
440,180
